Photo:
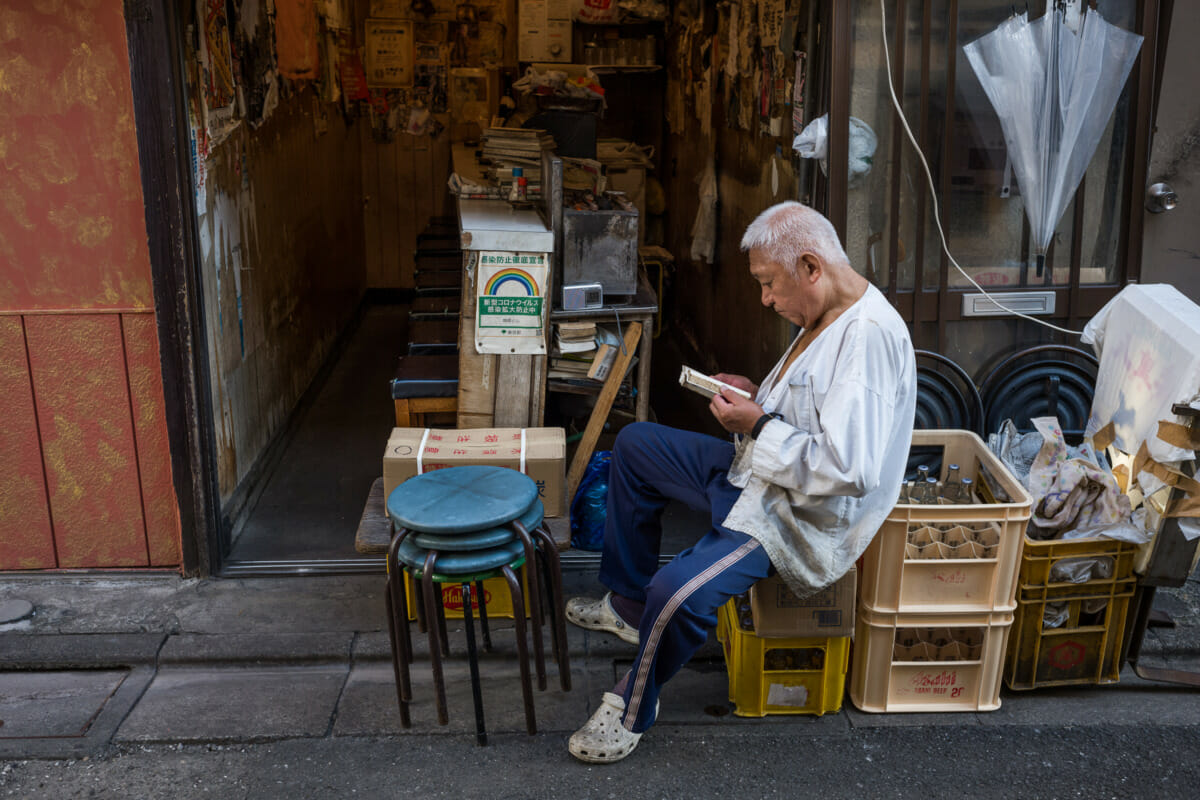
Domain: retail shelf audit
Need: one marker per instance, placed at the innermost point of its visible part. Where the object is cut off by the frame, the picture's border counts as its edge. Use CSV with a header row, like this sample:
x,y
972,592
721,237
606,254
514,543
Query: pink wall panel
x,y
150,435
72,222
25,538
78,366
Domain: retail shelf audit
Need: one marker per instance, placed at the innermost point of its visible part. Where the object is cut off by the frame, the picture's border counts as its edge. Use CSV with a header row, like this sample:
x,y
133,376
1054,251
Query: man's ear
x,y
810,267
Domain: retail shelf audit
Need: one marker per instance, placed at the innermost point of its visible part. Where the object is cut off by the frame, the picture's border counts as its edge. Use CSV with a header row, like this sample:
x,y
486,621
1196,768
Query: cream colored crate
x,y
894,670
971,553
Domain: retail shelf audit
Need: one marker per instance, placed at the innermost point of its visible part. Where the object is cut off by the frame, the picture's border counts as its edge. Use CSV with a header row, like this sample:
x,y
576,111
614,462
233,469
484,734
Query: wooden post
x,y
600,413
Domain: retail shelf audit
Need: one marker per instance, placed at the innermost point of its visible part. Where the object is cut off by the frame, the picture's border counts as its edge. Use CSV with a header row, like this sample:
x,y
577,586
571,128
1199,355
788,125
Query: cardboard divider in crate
x,y
928,662
960,557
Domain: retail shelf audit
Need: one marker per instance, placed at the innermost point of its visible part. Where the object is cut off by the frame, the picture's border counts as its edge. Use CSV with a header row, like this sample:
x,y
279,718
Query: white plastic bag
x,y
813,142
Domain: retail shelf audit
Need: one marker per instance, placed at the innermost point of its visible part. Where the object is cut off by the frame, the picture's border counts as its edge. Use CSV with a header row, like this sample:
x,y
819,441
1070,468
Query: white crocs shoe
x,y
598,615
603,739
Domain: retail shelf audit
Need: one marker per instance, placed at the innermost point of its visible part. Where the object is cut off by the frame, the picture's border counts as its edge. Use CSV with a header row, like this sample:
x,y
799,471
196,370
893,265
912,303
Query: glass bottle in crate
x,y
916,492
966,491
930,494
952,486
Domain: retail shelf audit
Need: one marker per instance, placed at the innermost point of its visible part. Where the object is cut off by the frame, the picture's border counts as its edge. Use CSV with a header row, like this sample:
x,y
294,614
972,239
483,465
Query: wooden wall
x,y
714,319
83,445
283,268
404,185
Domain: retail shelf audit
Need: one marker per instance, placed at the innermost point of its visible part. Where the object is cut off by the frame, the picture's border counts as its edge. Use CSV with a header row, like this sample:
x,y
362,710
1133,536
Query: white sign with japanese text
x,y
511,303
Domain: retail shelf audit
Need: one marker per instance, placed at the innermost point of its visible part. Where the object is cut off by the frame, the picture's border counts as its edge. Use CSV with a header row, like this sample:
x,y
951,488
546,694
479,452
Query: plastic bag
x,y
813,142
589,507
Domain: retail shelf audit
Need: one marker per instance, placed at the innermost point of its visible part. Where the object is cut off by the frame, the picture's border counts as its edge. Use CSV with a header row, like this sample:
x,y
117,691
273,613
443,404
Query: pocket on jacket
x,y
807,418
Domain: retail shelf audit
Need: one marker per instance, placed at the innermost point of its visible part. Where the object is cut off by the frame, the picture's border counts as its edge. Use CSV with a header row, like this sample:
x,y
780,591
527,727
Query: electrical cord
x,y
937,216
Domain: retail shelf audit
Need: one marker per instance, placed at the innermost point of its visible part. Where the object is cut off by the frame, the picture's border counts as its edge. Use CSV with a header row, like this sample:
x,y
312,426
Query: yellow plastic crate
x,y
498,602
1084,649
928,662
950,558
1041,557
781,675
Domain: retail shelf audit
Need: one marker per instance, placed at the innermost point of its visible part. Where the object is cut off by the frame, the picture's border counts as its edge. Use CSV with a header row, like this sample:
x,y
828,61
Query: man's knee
x,y
633,438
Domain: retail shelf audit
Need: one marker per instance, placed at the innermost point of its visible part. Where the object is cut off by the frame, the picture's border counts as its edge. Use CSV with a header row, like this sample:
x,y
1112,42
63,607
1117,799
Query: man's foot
x,y
598,615
603,739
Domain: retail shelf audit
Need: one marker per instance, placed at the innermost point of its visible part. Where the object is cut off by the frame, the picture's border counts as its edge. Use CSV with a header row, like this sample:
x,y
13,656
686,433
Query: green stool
x,y
465,525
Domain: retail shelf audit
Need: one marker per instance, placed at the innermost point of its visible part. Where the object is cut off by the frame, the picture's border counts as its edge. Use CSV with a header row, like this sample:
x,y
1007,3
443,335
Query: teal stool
x,y
465,525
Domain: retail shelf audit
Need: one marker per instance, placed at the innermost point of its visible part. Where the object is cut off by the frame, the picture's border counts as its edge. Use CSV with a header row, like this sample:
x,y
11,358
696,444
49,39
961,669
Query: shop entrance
x,y
310,191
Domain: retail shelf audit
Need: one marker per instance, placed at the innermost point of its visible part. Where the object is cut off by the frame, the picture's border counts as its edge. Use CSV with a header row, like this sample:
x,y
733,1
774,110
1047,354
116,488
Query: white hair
x,y
787,230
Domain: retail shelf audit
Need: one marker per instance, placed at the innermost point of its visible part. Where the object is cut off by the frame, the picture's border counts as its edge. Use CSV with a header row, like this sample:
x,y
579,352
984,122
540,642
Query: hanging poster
x,y
511,309
219,86
389,45
296,38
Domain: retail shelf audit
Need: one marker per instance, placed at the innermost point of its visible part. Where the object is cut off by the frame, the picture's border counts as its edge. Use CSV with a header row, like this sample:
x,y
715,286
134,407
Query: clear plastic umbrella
x,y
1054,82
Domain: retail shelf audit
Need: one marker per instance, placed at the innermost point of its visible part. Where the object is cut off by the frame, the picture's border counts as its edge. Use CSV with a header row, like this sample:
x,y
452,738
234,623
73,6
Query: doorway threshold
x,y
302,567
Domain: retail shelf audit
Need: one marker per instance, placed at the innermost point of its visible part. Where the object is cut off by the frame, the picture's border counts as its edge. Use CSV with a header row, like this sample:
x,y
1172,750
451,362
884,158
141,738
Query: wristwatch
x,y
762,422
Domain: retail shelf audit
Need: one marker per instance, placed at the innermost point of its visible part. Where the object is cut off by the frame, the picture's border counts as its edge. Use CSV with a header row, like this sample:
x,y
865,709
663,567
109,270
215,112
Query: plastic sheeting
x,y
1054,89
1148,341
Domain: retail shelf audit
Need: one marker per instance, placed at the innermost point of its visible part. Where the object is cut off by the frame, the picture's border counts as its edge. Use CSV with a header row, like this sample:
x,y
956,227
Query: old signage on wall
x,y
511,303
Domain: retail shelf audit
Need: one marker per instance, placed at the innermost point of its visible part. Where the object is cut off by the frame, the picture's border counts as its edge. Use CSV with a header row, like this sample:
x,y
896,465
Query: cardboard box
x,y
778,612
545,456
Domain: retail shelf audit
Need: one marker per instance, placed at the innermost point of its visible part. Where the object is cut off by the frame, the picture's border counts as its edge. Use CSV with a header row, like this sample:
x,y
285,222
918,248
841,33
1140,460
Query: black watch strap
x,y
760,424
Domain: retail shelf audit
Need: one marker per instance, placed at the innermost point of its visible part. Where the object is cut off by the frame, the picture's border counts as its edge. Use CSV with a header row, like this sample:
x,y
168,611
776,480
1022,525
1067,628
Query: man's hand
x,y
740,381
735,413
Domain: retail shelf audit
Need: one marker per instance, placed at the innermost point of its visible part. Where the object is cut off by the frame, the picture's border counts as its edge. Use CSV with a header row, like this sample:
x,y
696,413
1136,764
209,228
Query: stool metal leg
x,y
473,662
435,647
397,615
518,599
553,573
398,663
535,605
483,619
440,614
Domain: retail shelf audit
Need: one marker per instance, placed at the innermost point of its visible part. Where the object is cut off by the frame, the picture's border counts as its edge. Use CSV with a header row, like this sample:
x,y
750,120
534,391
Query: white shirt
x,y
817,485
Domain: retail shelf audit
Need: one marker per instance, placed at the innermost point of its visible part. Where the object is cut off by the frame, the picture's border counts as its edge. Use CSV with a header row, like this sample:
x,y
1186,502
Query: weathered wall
x,y
714,319
283,269
83,446
1171,242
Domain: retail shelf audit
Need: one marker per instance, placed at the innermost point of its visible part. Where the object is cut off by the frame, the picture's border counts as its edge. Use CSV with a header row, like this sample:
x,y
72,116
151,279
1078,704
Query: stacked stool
x,y
425,385
464,525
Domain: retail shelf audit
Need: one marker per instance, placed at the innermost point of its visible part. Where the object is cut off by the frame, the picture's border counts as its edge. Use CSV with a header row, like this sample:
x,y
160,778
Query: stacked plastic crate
x,y
939,586
1072,604
780,675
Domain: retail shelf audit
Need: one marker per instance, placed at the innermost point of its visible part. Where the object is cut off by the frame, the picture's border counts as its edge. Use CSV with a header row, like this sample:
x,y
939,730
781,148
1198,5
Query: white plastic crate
x,y
928,662
951,558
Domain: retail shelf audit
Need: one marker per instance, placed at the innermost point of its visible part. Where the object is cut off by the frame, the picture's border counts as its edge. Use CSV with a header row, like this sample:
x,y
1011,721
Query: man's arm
x,y
843,455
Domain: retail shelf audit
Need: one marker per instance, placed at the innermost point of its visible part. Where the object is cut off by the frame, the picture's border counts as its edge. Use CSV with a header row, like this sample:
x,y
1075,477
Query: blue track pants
x,y
652,464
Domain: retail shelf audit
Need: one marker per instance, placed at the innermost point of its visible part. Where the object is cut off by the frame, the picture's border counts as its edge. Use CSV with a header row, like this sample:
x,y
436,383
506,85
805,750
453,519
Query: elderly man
x,y
816,464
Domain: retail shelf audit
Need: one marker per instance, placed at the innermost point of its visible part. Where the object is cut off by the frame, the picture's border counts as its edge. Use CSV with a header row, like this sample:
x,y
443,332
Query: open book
x,y
702,384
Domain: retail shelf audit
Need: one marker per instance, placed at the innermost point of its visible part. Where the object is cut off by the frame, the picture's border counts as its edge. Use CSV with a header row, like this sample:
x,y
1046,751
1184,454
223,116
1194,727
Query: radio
x,y
581,296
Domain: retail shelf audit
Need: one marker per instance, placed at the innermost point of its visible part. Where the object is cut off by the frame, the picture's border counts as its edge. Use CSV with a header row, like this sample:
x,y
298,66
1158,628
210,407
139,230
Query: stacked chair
x,y
464,525
425,385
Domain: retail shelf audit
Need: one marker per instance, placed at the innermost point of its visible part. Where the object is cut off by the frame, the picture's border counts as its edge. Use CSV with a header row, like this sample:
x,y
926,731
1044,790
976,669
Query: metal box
x,y
601,247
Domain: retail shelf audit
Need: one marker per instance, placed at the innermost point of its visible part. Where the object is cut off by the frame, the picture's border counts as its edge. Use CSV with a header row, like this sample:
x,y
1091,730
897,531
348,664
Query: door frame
x,y
154,34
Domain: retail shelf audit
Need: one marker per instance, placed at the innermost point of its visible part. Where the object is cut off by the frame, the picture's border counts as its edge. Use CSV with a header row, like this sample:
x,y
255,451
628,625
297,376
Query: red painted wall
x,y
83,447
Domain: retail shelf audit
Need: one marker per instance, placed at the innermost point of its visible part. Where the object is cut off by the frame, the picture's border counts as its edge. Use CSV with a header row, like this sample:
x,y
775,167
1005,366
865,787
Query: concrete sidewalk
x,y
119,660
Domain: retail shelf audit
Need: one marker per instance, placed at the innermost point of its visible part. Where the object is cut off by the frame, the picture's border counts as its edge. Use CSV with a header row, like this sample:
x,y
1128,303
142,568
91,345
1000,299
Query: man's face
x,y
791,298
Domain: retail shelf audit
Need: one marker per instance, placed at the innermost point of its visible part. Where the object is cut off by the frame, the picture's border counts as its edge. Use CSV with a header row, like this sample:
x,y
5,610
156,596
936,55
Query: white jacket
x,y
817,484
